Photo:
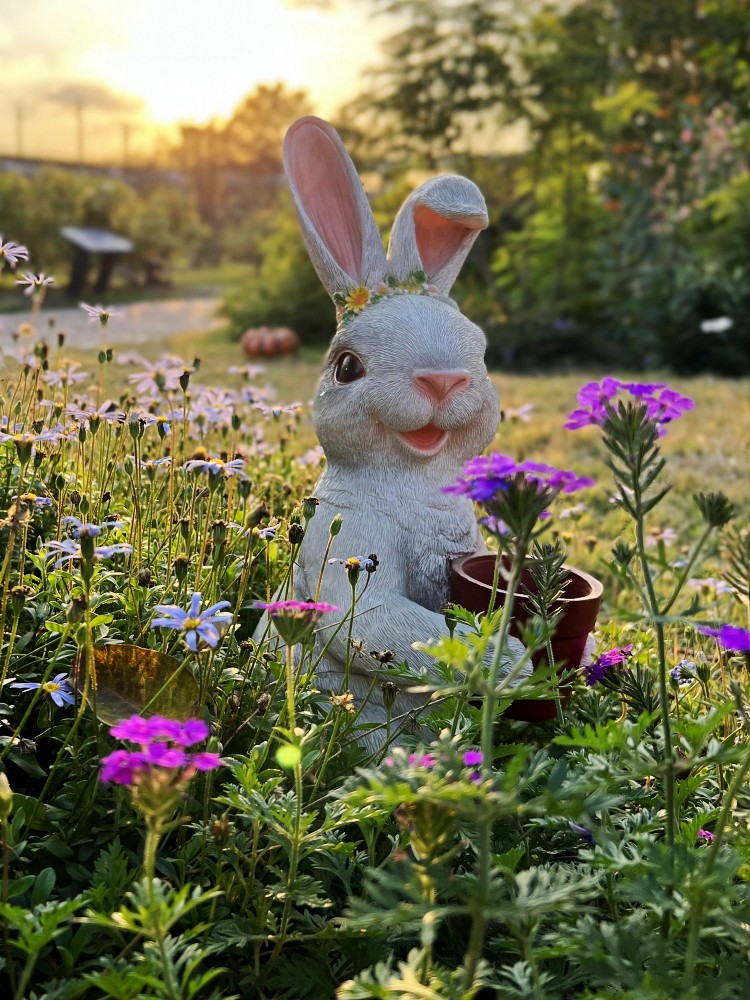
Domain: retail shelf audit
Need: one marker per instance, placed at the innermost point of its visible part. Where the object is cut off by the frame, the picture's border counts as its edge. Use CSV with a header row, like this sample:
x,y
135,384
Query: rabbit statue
x,y
404,400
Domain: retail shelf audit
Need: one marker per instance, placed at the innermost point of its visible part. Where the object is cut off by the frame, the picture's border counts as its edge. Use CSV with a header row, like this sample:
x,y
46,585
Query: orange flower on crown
x,y
357,299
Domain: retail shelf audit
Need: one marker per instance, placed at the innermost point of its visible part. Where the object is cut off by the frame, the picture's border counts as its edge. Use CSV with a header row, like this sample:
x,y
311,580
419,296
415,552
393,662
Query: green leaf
x,y
20,885
134,679
43,886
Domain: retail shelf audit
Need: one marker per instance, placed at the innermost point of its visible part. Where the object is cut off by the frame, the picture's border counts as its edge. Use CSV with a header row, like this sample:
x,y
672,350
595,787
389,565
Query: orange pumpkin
x,y
269,341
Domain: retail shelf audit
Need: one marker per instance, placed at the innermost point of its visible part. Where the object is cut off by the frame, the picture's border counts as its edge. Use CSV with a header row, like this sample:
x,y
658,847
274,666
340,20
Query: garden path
x,y
137,323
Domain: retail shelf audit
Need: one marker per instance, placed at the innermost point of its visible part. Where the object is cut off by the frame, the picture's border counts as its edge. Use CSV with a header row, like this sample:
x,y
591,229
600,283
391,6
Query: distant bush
x,y
162,223
284,290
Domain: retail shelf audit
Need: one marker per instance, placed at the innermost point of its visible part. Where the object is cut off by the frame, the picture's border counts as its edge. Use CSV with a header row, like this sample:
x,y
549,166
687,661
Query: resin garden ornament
x,y
403,402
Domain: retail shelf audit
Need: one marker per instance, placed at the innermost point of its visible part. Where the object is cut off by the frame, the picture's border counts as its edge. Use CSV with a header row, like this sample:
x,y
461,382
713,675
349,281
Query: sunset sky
x,y
152,63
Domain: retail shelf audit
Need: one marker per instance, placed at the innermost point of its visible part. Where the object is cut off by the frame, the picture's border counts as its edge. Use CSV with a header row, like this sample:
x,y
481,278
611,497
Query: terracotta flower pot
x,y
471,587
269,341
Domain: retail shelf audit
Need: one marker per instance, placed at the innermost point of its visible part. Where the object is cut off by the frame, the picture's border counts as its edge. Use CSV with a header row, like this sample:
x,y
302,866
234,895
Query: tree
x,y
237,168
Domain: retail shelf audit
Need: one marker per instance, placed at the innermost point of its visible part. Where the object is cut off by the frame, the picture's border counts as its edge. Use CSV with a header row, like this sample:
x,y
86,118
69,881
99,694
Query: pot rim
x,y
460,566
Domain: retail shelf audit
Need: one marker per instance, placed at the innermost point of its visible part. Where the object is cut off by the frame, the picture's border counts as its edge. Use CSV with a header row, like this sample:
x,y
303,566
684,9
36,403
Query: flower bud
x,y
309,506
18,597
450,618
256,516
220,830
335,527
6,797
135,426
76,609
623,553
389,690
716,509
180,567
296,533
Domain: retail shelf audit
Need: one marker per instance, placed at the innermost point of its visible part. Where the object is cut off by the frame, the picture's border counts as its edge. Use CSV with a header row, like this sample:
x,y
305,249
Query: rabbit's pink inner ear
x,y
438,238
325,191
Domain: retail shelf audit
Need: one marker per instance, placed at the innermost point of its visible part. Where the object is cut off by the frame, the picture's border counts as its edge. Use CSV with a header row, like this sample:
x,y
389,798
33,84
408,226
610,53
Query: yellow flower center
x,y
49,687
190,623
357,299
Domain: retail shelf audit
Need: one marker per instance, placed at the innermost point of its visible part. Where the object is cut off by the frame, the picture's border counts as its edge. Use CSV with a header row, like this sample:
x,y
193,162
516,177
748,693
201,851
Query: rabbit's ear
x,y
337,223
435,229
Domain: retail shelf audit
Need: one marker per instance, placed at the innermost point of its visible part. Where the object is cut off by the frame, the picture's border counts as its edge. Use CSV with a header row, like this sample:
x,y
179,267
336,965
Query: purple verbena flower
x,y
584,832
276,608
157,736
730,637
156,728
473,757
486,475
594,672
427,760
294,620
121,766
596,401
198,626
205,761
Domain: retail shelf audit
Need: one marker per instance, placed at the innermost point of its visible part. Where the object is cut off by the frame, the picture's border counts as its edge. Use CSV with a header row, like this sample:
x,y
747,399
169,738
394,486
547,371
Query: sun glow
x,y
126,74
191,61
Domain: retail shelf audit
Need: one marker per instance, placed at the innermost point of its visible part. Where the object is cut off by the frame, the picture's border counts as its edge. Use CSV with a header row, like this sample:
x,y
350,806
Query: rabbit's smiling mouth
x,y
427,440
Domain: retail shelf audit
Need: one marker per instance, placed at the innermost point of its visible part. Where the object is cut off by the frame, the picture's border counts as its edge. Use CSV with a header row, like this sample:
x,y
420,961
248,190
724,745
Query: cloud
x,y
94,95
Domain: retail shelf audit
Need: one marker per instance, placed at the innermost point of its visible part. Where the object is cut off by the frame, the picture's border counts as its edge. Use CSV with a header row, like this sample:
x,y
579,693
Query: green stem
x,y
484,853
668,758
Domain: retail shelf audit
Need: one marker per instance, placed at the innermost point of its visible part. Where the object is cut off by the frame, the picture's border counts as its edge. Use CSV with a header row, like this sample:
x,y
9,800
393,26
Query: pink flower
x,y
290,607
157,737
422,760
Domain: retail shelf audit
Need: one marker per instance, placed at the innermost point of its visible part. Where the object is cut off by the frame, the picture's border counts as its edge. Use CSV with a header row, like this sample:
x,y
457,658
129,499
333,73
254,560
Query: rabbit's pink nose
x,y
438,386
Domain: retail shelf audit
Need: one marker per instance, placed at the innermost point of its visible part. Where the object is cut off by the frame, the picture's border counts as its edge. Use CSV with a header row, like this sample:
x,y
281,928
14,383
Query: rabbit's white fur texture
x,y
423,370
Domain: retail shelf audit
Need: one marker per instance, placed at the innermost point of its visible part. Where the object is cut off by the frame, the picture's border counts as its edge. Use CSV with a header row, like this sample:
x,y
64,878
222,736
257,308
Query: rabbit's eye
x,y
348,369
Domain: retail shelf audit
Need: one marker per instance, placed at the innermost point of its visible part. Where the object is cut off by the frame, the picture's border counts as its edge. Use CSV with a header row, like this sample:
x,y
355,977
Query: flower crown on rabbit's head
x,y
433,232
356,299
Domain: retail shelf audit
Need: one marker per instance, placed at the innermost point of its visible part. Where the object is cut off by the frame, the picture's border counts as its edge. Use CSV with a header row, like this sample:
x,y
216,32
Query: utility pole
x,y
126,132
79,128
19,128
